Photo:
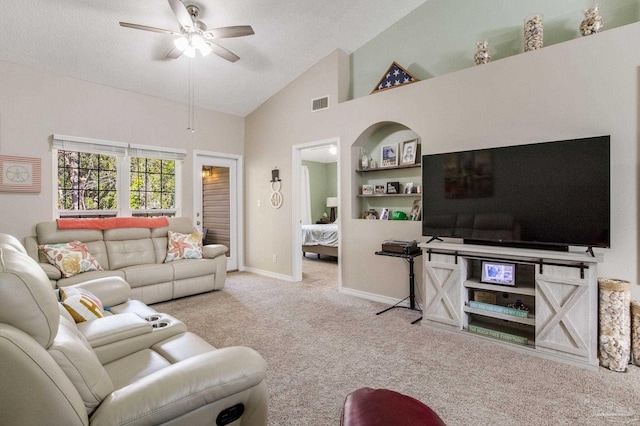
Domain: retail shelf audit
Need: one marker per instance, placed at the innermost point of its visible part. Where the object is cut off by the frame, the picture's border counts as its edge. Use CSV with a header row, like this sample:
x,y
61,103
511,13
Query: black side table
x,y
412,282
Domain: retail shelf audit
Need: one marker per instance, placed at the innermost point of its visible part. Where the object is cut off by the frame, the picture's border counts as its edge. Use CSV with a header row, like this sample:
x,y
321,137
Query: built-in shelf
x,y
379,169
527,291
414,195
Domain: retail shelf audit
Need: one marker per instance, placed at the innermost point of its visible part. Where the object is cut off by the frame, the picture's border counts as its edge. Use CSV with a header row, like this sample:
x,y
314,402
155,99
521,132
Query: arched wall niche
x,y
370,142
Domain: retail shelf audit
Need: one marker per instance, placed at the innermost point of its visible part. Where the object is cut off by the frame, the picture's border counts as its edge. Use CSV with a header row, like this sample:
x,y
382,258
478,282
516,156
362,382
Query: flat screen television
x,y
548,195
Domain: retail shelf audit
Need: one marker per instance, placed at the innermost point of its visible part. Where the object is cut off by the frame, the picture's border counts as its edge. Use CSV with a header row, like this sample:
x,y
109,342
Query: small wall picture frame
x,y
500,273
409,152
384,215
393,187
20,174
389,155
367,189
379,189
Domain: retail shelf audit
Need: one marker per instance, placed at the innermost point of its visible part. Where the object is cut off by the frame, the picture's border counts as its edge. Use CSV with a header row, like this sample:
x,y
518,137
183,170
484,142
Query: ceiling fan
x,y
194,34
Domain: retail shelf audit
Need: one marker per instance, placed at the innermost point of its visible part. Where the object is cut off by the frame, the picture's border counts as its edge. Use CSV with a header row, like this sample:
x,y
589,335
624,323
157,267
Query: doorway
x,y
320,155
216,197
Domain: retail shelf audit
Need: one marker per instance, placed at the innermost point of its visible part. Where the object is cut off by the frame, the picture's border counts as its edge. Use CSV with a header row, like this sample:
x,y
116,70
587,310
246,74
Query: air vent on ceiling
x,y
319,104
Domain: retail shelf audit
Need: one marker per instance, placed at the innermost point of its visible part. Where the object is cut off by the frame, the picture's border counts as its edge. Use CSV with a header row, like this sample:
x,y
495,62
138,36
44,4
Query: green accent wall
x,y
323,182
440,36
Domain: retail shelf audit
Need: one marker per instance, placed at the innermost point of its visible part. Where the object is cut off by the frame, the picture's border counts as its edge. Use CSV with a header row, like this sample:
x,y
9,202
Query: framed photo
x,y
379,189
367,189
416,210
498,273
393,187
409,152
389,155
20,174
371,214
384,215
408,187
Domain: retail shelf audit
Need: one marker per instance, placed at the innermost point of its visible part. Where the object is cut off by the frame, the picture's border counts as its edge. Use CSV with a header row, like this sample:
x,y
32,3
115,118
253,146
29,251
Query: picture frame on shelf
x,y
393,187
378,189
384,214
389,155
367,189
408,187
500,273
371,214
416,210
409,152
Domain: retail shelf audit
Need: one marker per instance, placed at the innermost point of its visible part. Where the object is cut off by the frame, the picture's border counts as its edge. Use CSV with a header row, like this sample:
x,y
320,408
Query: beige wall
x,y
35,104
579,88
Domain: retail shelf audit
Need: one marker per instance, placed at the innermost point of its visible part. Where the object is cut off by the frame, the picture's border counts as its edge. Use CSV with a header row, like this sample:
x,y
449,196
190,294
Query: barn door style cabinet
x,y
542,302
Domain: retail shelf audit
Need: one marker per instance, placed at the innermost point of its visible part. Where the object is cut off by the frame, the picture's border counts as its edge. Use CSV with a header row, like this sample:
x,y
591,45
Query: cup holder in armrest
x,y
160,324
152,318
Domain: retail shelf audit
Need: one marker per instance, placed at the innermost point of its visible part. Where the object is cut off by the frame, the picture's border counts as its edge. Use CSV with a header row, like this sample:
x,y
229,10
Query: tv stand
x,y
559,288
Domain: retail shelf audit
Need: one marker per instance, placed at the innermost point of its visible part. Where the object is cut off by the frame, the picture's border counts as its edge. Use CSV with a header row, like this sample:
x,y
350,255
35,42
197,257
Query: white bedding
x,y
320,235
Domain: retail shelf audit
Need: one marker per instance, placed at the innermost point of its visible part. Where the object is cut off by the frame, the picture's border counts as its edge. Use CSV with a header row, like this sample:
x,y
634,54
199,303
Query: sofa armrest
x,y
111,291
103,331
52,272
217,252
185,387
212,250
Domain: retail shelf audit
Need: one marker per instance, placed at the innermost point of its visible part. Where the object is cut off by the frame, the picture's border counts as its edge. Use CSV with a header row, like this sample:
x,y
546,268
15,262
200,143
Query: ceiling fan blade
x,y
223,52
174,54
227,32
180,10
147,28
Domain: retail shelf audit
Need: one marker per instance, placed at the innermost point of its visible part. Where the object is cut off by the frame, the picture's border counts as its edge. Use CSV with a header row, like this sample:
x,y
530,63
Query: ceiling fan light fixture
x,y
190,51
181,43
199,43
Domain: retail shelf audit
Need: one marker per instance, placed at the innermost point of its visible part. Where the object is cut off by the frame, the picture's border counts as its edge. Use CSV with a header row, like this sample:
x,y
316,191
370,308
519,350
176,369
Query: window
x,y
153,184
100,178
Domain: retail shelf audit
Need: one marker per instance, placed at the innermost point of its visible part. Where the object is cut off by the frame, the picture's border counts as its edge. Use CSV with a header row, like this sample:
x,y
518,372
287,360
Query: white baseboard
x,y
373,297
269,274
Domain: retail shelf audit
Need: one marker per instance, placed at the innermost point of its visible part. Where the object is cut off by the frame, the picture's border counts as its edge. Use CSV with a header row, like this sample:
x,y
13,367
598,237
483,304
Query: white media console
x,y
560,290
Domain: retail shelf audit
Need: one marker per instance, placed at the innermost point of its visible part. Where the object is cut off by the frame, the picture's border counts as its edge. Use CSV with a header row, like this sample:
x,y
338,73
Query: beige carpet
x,y
320,345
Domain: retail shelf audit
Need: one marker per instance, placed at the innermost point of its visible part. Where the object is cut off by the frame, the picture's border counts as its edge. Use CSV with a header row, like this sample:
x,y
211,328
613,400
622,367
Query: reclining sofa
x,y
137,254
130,365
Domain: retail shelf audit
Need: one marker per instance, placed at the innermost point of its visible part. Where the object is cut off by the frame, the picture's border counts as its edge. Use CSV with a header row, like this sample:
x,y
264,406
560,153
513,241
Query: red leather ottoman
x,y
368,406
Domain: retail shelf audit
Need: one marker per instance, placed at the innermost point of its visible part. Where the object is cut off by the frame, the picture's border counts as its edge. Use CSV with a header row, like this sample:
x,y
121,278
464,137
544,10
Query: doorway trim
x,y
296,152
237,220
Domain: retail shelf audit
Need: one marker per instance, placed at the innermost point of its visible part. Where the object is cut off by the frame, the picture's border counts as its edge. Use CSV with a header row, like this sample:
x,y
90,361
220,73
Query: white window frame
x,y
123,152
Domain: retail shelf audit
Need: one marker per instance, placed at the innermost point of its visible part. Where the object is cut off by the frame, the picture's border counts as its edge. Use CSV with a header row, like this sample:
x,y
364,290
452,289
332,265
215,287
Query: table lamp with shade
x,y
332,203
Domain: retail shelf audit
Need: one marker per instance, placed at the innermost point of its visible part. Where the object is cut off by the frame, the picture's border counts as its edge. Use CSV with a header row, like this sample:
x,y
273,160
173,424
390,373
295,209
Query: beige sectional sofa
x,y
138,256
129,365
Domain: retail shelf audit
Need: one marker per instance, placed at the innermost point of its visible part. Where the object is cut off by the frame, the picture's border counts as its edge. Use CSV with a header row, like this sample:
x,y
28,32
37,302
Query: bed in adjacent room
x,y
320,239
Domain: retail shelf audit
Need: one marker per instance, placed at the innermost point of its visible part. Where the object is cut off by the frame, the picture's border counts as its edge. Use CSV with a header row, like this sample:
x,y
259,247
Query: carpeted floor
x,y
320,345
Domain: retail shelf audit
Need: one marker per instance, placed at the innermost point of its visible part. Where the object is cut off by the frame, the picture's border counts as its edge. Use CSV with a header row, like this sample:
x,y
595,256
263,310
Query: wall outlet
x,y
275,259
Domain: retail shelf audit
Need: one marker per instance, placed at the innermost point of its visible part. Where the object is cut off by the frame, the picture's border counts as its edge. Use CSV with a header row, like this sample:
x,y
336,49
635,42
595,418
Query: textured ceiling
x,y
82,39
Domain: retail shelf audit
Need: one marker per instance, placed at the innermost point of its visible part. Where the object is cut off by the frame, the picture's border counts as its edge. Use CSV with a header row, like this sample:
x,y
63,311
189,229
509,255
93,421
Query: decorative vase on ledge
x,y
593,22
533,34
483,55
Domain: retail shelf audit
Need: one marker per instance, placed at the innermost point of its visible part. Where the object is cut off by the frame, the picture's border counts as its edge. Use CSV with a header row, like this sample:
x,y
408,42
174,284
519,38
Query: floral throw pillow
x,y
183,246
70,258
81,304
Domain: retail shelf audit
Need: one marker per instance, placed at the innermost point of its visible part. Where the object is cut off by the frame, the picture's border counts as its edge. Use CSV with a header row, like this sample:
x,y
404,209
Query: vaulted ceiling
x,y
83,39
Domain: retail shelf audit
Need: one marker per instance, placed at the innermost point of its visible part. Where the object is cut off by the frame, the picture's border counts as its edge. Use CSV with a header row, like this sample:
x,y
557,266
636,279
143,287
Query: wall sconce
x,y
207,171
275,175
332,203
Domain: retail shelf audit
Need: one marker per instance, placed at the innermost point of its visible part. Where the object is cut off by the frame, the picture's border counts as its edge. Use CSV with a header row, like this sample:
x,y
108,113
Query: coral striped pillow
x,y
81,304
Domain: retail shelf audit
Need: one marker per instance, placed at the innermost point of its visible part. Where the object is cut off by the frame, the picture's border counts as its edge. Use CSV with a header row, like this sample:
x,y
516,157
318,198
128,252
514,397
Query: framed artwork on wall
x,y
20,174
389,155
